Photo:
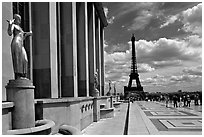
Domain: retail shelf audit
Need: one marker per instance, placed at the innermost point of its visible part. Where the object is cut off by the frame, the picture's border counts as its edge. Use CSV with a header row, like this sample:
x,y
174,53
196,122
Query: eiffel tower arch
x,y
138,90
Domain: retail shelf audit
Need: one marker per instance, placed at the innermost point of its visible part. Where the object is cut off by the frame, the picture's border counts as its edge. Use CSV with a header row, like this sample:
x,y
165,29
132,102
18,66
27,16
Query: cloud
x,y
194,41
141,21
116,65
156,80
192,19
182,78
142,68
148,81
170,20
120,47
158,76
166,51
194,71
126,8
161,64
170,80
140,12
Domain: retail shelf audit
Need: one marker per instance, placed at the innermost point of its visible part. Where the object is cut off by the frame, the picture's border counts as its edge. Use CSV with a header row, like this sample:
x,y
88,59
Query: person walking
x,y
188,101
175,99
200,98
184,101
167,101
179,101
196,99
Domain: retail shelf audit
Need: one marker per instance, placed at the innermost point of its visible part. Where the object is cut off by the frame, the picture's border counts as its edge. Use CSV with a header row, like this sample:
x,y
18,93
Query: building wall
x,y
7,67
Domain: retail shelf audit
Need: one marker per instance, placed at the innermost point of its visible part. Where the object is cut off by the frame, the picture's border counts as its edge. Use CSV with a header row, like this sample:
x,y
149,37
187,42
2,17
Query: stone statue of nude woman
x,y
19,56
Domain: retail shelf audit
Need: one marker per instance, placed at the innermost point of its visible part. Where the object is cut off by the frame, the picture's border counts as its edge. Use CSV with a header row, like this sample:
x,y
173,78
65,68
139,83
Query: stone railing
x,y
6,116
77,112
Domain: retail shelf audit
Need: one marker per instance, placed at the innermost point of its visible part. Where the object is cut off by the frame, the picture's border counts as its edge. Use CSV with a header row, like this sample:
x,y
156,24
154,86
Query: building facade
x,y
64,52
66,48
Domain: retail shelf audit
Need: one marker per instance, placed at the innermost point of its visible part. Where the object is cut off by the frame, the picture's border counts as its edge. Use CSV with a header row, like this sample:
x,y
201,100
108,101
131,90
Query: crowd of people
x,y
177,99
183,101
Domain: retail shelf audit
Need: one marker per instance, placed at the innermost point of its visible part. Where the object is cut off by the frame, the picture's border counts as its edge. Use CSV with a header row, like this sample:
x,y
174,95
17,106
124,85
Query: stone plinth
x,y
21,93
96,109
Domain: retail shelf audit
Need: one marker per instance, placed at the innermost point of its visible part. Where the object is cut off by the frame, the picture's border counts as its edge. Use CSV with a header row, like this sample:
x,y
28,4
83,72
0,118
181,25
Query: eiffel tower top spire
x,y
134,61
133,37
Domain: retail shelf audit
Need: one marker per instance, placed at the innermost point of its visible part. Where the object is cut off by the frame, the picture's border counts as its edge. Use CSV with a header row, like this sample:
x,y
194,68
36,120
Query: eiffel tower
x,y
138,90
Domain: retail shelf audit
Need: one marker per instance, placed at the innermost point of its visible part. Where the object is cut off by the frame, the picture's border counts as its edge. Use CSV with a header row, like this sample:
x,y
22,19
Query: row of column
x,y
67,49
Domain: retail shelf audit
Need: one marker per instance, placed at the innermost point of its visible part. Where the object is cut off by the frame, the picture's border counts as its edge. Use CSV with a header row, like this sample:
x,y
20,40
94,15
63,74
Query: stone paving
x,y
150,118
181,120
109,126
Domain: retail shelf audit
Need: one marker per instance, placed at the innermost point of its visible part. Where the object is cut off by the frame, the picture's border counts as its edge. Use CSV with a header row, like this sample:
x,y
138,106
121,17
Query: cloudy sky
x,y
168,45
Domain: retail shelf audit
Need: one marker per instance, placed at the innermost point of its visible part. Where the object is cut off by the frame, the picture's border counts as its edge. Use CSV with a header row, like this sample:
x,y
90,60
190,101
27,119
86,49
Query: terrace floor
x,y
150,118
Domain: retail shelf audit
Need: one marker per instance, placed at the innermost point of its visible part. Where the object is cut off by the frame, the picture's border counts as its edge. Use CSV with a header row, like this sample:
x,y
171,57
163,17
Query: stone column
x,y
91,43
86,50
102,60
75,49
97,50
82,49
53,50
99,55
21,92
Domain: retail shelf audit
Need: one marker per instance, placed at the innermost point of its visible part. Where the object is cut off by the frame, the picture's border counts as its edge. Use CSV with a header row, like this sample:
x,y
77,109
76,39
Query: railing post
x,y
96,109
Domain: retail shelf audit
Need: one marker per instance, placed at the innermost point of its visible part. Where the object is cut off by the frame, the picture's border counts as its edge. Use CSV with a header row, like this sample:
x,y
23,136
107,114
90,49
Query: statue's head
x,y
96,74
17,19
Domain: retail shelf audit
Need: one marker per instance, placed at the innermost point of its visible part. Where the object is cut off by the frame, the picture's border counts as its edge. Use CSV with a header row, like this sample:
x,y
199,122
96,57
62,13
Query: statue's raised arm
x,y
19,56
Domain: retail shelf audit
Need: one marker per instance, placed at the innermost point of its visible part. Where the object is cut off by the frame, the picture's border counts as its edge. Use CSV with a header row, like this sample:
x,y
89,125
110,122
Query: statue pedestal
x,y
21,93
95,93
